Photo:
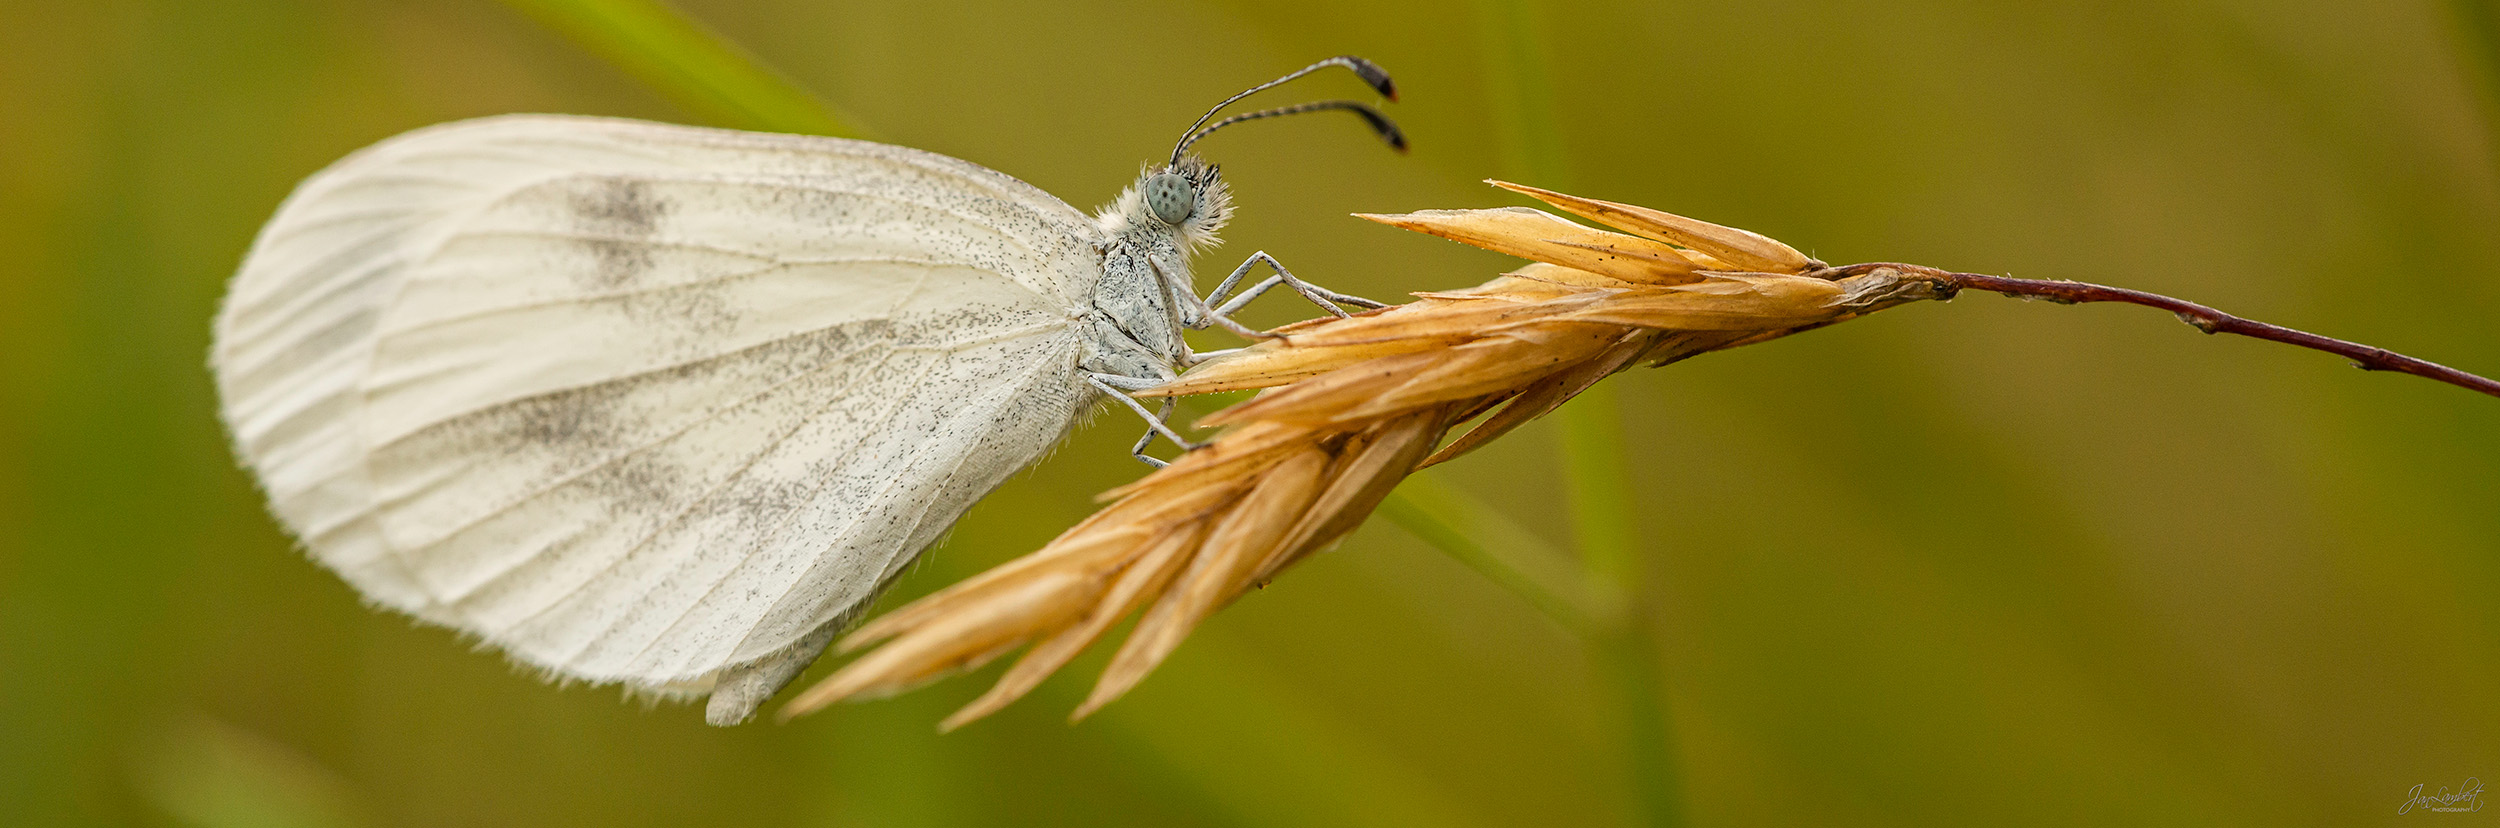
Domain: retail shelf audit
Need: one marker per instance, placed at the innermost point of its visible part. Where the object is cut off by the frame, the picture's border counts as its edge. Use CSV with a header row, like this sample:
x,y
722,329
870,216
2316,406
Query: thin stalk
x,y
2200,317
690,64
1596,478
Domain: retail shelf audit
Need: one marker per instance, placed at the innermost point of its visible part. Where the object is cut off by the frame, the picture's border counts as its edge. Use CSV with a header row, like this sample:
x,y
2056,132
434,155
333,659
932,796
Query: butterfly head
x,y
1188,198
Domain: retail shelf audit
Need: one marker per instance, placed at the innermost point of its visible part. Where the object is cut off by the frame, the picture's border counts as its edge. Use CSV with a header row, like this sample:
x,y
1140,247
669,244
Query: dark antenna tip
x,y
1387,129
1372,74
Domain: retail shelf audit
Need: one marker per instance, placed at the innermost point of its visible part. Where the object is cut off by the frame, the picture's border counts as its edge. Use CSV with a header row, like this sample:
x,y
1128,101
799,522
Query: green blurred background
x,y
1981,563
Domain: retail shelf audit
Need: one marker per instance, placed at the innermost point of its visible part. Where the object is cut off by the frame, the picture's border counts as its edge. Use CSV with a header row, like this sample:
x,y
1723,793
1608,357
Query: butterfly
x,y
668,407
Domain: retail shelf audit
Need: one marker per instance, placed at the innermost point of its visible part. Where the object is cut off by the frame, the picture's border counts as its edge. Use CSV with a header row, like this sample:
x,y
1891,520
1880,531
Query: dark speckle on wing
x,y
621,206
616,216
570,431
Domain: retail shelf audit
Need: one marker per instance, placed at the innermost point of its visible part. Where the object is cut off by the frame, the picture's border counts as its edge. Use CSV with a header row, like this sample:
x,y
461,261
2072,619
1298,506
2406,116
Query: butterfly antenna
x,y
1380,124
1370,72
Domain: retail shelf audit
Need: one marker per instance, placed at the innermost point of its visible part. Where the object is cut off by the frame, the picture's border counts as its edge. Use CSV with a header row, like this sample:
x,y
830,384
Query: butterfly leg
x,y
1204,312
1326,299
1189,311
1117,387
1164,414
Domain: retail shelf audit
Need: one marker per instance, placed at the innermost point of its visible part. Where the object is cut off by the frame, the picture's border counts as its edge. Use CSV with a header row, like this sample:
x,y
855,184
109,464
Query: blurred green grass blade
x,y
690,64
1504,552
1255,748
1523,95
1596,479
2478,23
1521,91
1267,750
1624,652
1600,488
206,774
2478,31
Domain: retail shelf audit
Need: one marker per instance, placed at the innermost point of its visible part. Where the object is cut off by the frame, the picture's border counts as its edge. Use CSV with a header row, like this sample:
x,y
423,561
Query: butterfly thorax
x,y
1137,315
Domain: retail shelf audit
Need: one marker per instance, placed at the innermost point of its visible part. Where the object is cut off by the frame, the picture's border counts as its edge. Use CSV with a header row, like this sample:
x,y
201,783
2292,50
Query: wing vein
x,y
769,538
496,310
918,517
681,514
777,340
605,462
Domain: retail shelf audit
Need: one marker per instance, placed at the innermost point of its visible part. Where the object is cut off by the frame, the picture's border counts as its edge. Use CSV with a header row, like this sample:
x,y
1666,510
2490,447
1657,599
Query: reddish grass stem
x,y
2200,317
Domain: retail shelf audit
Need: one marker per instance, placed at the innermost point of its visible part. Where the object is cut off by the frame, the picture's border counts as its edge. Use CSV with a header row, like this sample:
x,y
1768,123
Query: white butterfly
x,y
667,406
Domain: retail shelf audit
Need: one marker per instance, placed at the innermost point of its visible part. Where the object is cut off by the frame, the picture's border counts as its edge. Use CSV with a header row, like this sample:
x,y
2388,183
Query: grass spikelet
x,y
1350,407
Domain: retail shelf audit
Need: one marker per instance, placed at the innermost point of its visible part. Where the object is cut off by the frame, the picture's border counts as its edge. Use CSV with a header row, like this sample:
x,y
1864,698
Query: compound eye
x,y
1170,197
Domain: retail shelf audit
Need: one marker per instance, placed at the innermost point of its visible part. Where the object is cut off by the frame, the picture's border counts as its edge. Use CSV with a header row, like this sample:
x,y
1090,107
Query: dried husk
x,y
1350,407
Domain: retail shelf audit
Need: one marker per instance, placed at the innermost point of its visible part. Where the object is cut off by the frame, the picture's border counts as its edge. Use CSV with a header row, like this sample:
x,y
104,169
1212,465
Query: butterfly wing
x,y
640,403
